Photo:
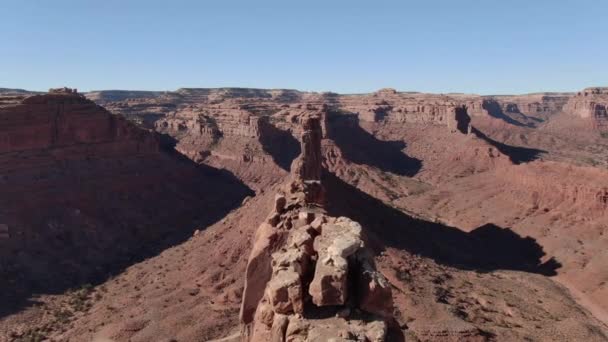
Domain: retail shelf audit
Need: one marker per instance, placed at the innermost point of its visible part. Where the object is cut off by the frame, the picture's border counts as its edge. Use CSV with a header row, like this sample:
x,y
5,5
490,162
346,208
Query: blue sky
x,y
475,46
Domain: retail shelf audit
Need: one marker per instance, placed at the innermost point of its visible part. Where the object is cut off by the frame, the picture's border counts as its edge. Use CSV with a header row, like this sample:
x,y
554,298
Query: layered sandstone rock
x,y
310,276
62,118
385,105
199,119
540,105
553,184
394,107
591,104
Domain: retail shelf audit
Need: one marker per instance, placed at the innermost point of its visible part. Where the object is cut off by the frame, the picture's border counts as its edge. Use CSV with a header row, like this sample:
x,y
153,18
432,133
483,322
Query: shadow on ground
x,y
486,248
517,154
361,147
99,217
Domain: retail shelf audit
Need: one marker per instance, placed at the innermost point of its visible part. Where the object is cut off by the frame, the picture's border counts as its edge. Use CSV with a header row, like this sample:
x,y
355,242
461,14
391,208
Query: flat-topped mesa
x,y
310,276
387,106
594,91
59,120
538,104
591,103
63,90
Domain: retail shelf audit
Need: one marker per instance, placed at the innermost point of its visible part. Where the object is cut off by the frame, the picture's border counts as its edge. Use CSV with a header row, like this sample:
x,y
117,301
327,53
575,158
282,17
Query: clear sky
x,y
476,46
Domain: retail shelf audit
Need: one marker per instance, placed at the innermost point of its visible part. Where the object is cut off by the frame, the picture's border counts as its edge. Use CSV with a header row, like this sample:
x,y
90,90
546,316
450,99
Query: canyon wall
x,y
542,104
385,105
591,104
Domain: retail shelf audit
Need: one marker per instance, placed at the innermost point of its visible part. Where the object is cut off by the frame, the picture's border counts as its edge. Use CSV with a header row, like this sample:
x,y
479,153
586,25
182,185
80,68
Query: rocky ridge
x,y
310,276
86,192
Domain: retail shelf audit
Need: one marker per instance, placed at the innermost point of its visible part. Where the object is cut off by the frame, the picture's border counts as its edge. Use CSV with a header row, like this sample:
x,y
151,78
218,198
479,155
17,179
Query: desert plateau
x,y
281,215
303,171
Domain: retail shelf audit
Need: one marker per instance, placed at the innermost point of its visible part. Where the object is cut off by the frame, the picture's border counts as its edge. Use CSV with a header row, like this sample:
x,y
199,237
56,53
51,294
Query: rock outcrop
x,y
591,104
310,276
63,117
401,107
459,120
538,105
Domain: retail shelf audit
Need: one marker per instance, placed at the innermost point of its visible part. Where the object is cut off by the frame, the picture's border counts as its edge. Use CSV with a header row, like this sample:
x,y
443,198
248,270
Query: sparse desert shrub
x,y
32,335
63,315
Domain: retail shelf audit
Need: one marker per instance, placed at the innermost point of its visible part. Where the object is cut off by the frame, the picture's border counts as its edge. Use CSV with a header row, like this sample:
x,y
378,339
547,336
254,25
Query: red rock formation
x,y
591,104
84,191
307,168
475,171
391,106
304,262
64,118
459,120
202,119
538,105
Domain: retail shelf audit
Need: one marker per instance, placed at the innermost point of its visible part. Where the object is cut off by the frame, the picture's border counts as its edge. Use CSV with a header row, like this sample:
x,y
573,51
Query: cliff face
x,y
391,106
85,191
591,104
54,121
543,105
223,110
234,138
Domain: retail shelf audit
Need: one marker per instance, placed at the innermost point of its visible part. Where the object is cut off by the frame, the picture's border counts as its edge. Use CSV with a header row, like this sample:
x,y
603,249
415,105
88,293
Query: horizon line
x,y
311,91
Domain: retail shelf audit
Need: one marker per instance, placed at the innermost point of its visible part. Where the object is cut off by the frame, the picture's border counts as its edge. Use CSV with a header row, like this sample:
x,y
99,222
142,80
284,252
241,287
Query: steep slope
x,y
86,193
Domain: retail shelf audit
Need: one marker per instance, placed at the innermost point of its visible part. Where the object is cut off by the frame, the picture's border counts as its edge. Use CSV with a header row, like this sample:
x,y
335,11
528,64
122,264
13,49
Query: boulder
x,y
336,243
329,285
284,292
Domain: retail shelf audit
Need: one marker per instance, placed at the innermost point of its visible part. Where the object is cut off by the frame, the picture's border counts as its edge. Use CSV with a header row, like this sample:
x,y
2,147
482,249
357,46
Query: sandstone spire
x,y
307,168
310,276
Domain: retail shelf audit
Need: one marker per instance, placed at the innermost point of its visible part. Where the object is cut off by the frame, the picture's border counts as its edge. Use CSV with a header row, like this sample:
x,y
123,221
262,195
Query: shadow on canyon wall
x,y
67,238
362,147
517,154
282,146
484,249
495,110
